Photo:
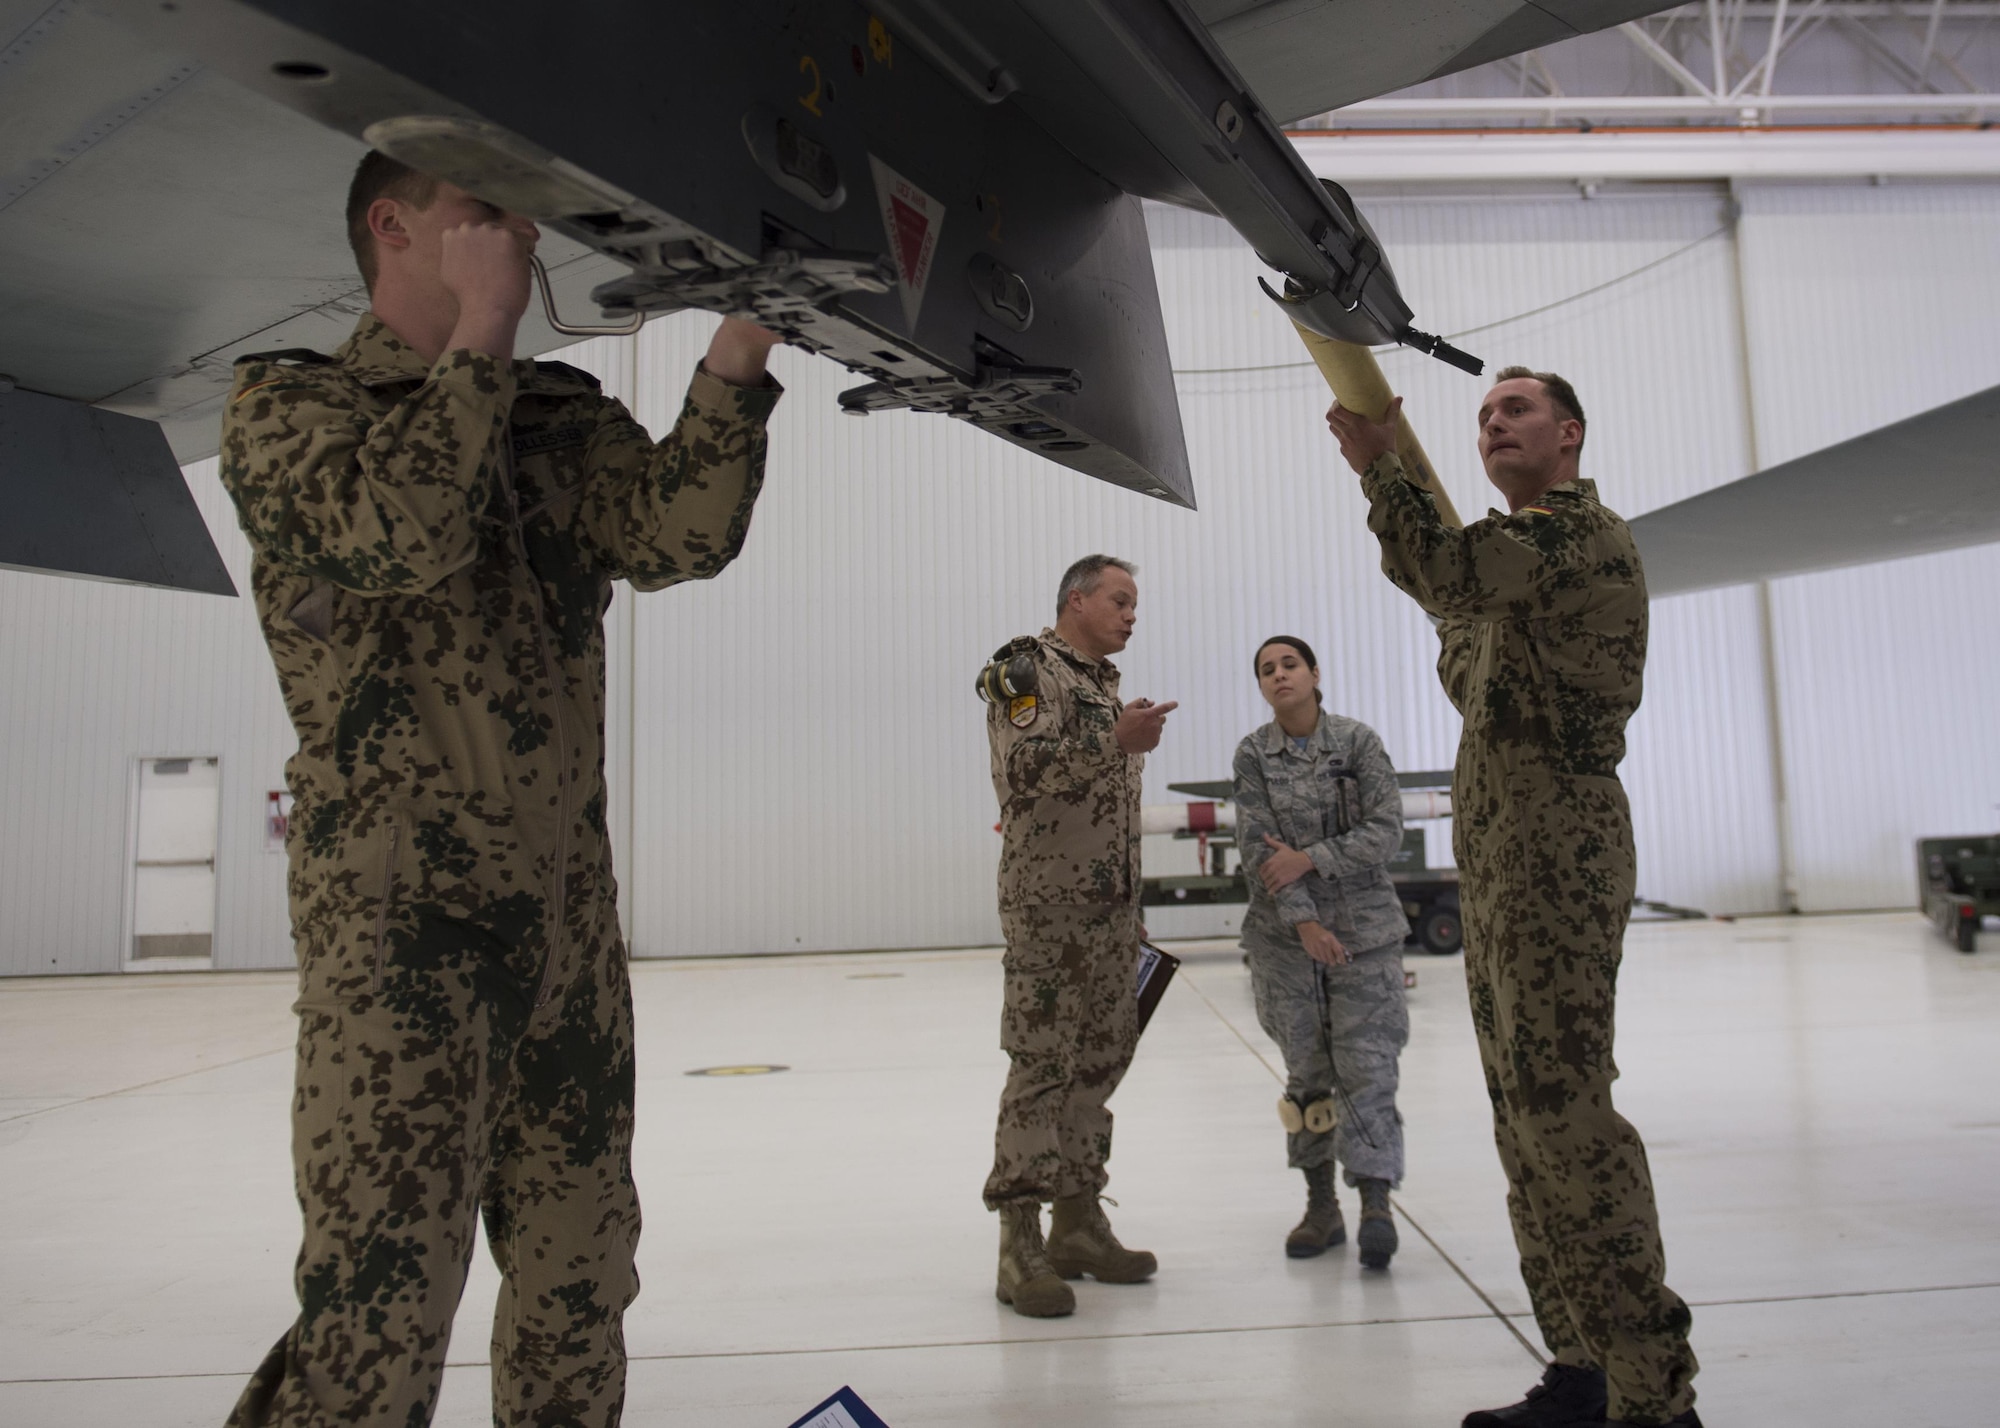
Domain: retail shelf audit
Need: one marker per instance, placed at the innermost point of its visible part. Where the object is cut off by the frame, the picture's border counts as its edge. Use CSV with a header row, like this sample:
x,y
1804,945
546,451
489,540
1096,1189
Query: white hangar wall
x,y
892,554
1865,305
797,759
94,677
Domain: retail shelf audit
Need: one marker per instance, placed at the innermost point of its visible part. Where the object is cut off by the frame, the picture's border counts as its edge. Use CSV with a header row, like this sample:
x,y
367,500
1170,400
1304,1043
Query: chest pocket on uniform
x,y
1093,711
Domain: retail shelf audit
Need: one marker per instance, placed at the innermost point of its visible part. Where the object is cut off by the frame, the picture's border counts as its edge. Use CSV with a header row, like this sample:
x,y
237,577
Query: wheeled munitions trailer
x,y
1430,895
1958,883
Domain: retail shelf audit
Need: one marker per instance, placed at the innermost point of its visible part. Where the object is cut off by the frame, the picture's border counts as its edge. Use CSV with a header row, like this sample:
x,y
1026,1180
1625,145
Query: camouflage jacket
x,y
434,546
1069,796
1543,616
1338,802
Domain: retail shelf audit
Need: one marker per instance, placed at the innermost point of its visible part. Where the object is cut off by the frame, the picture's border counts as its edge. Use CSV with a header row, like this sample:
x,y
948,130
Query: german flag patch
x,y
1535,511
259,386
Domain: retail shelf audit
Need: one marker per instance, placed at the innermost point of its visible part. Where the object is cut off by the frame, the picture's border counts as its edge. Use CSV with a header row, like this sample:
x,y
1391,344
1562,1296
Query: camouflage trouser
x,y
1546,901
416,1109
1338,1028
1068,1026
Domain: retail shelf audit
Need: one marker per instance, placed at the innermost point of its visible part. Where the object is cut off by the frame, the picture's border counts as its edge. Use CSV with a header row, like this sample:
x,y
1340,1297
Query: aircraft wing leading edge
x,y
1925,484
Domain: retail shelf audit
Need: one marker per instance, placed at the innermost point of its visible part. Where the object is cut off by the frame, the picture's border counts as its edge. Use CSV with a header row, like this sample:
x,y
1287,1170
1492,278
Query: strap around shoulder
x,y
289,357
563,371
1019,645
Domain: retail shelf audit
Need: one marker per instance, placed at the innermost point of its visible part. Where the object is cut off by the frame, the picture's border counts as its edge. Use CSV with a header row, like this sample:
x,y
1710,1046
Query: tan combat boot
x,y
1322,1225
1376,1239
1081,1242
1026,1281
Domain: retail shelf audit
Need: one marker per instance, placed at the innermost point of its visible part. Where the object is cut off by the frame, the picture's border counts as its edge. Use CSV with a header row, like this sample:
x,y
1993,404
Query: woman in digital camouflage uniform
x,y
1318,817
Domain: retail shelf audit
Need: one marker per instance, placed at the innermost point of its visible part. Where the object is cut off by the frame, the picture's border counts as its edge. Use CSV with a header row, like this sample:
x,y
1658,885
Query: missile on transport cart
x,y
1192,819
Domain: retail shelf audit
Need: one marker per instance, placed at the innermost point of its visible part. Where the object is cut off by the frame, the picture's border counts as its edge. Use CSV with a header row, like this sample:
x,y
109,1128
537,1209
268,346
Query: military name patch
x,y
528,443
1021,711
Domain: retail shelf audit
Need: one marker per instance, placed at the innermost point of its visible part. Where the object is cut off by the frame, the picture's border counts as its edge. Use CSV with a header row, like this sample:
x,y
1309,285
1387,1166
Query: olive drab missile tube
x,y
1358,384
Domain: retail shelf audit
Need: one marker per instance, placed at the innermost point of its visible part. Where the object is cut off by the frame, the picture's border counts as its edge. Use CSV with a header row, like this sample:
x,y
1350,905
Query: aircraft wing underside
x,y
938,194
1927,483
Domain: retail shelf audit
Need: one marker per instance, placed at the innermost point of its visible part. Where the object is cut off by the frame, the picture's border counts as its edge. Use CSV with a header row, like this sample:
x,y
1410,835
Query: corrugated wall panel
x,y
796,747
812,764
1867,304
97,675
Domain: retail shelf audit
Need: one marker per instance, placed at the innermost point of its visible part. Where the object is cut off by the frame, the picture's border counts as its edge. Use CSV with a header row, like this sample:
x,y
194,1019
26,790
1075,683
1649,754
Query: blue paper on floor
x,y
844,1410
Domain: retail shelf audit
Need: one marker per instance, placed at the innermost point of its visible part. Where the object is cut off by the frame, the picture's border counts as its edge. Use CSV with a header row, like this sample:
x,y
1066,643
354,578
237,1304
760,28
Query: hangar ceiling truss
x,y
1745,63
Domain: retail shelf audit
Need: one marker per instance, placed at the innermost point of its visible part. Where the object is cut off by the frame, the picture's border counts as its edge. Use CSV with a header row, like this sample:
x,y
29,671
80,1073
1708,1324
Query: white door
x,y
173,875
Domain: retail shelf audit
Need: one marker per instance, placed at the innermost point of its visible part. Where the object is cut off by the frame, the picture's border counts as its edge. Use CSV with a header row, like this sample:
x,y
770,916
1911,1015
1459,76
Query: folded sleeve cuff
x,y
731,402
1380,473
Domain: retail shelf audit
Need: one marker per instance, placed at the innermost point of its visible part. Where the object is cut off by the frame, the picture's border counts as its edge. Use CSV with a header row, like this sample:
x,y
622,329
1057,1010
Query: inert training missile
x,y
1358,384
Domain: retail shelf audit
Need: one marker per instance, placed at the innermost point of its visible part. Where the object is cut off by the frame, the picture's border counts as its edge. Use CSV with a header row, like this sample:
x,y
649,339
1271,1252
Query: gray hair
x,y
1084,575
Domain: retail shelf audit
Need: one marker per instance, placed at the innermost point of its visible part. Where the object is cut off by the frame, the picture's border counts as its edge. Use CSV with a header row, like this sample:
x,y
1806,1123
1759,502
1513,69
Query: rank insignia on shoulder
x,y
1021,711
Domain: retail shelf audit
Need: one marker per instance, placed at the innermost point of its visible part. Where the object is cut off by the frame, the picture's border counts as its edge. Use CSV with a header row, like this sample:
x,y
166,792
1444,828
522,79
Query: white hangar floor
x,y
1818,1094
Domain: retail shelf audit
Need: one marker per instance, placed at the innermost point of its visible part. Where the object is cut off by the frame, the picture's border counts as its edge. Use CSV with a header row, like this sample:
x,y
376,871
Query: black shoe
x,y
1565,1398
1376,1238
1682,1420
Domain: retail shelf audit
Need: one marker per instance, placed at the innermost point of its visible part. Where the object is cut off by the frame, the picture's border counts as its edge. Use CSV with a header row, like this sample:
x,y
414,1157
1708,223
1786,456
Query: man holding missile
x,y
1543,617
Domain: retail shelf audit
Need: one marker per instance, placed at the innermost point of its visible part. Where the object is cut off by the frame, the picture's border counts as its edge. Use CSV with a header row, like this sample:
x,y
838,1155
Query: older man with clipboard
x,y
1066,758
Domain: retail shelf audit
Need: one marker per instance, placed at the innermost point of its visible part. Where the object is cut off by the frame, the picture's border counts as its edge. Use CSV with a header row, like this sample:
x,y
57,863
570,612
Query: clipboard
x,y
844,1410
1156,969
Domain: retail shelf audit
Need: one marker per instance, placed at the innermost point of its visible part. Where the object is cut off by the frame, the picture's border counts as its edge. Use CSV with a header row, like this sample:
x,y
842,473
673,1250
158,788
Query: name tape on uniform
x,y
844,1410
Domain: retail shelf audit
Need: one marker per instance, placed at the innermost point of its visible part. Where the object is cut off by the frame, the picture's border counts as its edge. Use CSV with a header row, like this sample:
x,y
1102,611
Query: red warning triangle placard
x,y
912,219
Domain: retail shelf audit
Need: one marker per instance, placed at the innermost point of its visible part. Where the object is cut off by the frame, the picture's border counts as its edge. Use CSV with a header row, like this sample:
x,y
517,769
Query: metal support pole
x,y
1788,896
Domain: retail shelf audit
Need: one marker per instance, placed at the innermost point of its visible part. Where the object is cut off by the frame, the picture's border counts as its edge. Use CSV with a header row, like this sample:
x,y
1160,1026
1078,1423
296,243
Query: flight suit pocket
x,y
312,613
1576,853
311,617
391,886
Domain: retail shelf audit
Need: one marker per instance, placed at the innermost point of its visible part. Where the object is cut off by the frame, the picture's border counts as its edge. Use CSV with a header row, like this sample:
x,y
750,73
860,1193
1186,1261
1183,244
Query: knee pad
x,y
1318,1118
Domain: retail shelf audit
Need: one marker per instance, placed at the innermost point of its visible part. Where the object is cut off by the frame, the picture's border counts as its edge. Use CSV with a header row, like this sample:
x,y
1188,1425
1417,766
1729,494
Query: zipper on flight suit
x,y
389,860
557,903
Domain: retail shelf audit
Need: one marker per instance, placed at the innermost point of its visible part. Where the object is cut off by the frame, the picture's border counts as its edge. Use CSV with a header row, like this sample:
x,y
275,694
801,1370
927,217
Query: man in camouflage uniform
x,y
1543,617
1066,762
435,531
